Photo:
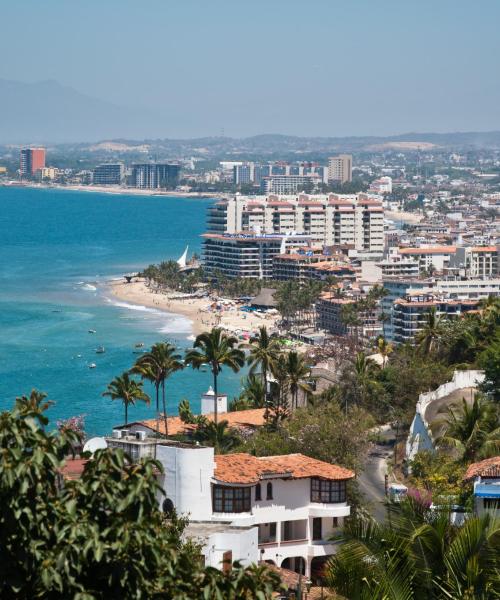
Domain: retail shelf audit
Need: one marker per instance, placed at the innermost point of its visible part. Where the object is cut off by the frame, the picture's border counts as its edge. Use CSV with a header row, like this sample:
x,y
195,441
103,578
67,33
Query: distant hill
x,y
50,112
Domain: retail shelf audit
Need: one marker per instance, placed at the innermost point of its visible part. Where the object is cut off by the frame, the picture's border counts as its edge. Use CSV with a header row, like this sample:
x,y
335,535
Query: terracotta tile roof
x,y
429,250
245,468
490,467
73,468
239,419
484,249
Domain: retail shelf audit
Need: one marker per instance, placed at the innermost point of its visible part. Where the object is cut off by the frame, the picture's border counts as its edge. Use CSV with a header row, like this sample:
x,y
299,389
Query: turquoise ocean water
x,y
57,250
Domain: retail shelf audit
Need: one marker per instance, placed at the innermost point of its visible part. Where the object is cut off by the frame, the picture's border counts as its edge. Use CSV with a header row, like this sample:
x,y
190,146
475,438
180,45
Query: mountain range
x,y
50,113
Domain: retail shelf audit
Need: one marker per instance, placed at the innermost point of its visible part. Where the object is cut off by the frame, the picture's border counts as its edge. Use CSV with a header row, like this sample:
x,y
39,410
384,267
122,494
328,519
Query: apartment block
x,y
246,255
330,220
340,168
31,159
330,312
410,313
288,184
476,261
109,174
155,175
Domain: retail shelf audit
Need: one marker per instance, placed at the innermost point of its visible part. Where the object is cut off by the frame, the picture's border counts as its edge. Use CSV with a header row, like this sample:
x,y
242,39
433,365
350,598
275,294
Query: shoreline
x,y
112,189
198,310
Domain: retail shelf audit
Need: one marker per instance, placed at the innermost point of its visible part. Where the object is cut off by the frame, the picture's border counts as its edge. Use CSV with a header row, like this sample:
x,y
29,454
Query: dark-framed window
x,y
269,491
231,499
317,528
324,490
258,492
492,503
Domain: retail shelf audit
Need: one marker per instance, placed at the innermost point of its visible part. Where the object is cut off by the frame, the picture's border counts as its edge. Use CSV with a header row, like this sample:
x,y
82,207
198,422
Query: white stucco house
x,y
485,477
278,509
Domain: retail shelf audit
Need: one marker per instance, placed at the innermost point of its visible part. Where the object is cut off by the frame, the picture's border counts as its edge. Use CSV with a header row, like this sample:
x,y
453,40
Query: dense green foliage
x,y
323,431
98,537
418,554
390,390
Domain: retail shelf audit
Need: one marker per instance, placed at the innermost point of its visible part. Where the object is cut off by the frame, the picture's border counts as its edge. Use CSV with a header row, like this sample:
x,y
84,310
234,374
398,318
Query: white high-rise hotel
x,y
333,219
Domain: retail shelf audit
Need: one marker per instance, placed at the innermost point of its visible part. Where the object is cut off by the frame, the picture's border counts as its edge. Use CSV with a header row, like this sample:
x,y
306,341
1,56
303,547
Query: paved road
x,y
372,479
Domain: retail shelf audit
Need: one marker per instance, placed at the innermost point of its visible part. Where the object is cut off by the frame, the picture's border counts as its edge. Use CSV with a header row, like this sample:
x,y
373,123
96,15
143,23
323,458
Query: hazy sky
x,y
315,67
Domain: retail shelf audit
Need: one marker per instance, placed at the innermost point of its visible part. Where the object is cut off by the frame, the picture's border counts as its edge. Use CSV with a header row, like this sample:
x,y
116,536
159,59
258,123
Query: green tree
x,y
489,360
429,338
253,392
127,390
157,366
100,536
417,553
264,351
474,430
218,435
216,349
298,372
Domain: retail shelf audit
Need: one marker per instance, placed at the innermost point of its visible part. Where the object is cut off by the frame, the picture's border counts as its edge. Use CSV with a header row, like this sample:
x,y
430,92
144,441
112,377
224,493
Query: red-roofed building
x,y
485,476
279,509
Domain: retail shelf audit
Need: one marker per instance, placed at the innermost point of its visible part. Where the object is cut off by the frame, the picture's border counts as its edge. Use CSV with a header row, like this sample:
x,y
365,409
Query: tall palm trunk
x,y
214,371
266,403
164,408
126,412
157,389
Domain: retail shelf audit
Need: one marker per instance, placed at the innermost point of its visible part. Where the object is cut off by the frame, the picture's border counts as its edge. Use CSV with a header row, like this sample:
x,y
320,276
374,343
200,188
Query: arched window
x,y
258,492
269,495
168,507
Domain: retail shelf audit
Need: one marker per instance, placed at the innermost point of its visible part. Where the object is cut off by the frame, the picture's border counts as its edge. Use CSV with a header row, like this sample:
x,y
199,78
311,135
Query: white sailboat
x,y
182,261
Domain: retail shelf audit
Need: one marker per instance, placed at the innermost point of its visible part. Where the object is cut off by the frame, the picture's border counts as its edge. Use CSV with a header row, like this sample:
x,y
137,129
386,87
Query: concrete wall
x,y
187,479
243,544
420,436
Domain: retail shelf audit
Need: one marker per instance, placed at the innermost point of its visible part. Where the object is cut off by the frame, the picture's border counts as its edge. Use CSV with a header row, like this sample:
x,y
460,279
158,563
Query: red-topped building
x,y
31,160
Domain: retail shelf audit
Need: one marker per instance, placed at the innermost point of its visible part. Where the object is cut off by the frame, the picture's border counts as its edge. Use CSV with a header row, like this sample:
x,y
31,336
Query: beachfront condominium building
x,y
246,255
331,316
352,220
289,184
109,174
155,176
340,168
254,173
31,159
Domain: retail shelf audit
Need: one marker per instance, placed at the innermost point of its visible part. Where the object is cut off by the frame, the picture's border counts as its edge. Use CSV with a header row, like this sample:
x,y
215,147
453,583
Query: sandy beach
x,y
407,217
198,310
114,189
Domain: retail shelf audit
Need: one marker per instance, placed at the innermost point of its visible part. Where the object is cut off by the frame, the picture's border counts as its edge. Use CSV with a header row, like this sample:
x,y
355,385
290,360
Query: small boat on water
x,y
139,345
91,330
100,350
92,366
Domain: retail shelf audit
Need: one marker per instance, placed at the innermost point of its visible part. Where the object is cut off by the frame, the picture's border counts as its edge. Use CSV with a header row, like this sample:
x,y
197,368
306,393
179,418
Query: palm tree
x,y
430,336
384,348
127,390
157,365
253,392
279,390
264,351
298,371
217,435
216,349
474,430
418,553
